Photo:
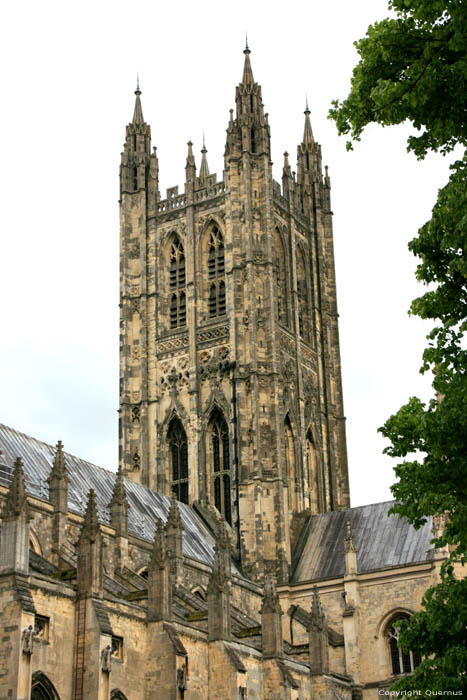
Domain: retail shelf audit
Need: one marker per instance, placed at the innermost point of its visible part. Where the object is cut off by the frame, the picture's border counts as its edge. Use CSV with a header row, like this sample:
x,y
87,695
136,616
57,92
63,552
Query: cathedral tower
x,y
230,380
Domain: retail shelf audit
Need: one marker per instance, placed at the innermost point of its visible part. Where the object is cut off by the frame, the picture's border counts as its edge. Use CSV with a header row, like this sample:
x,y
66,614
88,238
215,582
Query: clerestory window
x,y
177,283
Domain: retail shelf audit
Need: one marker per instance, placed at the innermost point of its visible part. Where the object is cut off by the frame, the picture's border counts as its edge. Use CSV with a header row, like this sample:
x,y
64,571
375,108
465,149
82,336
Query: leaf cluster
x,y
412,67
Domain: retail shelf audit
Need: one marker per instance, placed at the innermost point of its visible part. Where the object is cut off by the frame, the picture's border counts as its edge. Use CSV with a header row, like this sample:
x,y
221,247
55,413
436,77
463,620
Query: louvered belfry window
x,y
221,473
177,283
216,273
178,449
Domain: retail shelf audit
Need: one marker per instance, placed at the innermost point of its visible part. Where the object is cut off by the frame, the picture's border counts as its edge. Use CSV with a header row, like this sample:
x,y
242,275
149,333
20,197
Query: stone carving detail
x,y
135,305
135,413
307,355
210,334
106,659
134,251
168,346
136,459
286,342
174,376
27,640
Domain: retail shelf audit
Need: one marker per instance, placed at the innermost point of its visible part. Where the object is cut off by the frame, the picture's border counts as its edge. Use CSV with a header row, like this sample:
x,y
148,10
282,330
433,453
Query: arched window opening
x,y
221,471
280,278
290,466
177,282
178,449
216,273
135,178
302,293
401,661
117,694
311,473
42,688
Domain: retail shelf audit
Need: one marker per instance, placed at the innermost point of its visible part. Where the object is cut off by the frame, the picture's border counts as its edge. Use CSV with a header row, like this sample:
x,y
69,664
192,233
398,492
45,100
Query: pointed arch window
x,y
216,273
290,466
311,474
280,279
401,661
221,471
178,451
42,688
177,283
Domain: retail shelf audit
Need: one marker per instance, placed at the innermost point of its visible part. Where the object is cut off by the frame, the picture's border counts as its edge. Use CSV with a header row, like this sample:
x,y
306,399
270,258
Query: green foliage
x,y
414,67
438,633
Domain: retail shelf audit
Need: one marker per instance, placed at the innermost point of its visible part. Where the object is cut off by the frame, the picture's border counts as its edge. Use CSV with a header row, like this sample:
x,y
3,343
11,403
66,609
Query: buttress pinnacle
x,y
307,133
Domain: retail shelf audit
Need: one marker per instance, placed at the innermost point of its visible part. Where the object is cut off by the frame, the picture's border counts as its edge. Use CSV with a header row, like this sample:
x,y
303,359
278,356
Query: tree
x,y
414,67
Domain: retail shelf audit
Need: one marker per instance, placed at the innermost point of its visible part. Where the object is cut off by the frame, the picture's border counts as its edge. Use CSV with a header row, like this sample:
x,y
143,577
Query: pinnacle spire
x,y
16,502
90,528
159,549
307,133
317,613
190,159
349,544
247,72
59,466
138,113
204,169
119,492
173,518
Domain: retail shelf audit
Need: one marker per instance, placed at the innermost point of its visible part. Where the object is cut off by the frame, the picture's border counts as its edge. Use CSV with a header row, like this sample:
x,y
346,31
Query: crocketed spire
x,y
204,169
119,493
91,528
59,466
16,503
307,133
247,72
138,113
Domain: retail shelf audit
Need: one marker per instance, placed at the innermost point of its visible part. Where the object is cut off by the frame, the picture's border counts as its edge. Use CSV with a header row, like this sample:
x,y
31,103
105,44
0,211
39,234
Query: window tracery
x,y
177,284
221,471
178,449
401,661
216,273
302,293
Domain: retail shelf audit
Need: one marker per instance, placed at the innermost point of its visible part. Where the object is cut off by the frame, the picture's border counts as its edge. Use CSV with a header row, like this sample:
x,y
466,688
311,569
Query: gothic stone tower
x,y
230,380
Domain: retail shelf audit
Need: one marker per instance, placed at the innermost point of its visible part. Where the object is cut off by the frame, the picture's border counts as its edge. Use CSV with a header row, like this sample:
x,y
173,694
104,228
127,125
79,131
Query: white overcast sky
x,y
68,76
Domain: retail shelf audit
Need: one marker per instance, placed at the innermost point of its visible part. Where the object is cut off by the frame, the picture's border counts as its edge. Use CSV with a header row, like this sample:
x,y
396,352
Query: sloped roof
x,y
146,506
381,542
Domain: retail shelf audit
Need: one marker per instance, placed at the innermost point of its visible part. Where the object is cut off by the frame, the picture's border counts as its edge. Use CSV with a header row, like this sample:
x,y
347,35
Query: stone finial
x,y
247,78
159,548
286,169
308,139
59,467
204,169
27,640
119,496
90,529
106,659
173,518
159,579
138,112
16,504
271,602
271,625
218,580
190,159
317,612
349,544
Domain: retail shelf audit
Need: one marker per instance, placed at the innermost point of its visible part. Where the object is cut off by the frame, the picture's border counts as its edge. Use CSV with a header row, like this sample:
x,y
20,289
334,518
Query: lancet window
x,y
178,450
216,273
220,463
401,661
311,473
302,292
291,466
177,284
